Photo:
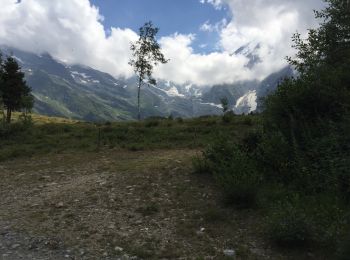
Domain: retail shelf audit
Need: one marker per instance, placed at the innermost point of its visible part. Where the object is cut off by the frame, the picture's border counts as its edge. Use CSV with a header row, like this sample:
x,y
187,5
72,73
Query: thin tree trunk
x,y
3,114
8,116
138,100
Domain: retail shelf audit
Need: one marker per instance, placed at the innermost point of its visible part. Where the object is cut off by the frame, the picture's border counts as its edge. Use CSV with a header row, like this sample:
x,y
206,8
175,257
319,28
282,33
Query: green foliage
x,y
303,149
234,171
224,104
328,44
306,121
289,225
42,134
306,221
228,117
15,94
146,54
152,123
305,143
200,166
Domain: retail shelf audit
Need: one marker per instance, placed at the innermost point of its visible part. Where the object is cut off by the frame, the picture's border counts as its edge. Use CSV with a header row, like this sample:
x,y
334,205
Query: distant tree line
x,y
15,94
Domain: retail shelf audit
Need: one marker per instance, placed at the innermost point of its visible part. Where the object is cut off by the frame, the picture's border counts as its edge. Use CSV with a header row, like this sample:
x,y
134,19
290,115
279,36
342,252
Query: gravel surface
x,y
119,205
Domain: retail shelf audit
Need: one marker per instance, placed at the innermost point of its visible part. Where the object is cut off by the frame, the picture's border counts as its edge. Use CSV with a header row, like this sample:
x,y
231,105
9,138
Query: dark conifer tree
x,y
16,95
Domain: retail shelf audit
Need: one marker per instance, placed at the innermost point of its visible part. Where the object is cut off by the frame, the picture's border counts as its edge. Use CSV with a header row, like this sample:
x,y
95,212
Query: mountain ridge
x,y
83,93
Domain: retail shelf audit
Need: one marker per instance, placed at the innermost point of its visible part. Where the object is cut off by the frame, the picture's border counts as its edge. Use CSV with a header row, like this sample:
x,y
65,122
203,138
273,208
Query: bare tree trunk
x,y
138,100
8,116
3,114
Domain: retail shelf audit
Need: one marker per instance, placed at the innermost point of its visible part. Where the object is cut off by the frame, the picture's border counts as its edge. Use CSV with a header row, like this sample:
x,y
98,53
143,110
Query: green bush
x,y
234,171
14,129
247,121
152,123
240,182
298,221
201,165
228,117
289,225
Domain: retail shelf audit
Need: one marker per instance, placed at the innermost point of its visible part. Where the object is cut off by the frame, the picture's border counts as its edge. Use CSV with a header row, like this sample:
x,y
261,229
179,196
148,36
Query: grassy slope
x,y
58,135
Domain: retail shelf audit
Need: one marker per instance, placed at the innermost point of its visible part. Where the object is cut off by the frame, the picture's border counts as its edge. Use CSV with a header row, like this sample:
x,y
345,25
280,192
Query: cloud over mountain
x,y
72,31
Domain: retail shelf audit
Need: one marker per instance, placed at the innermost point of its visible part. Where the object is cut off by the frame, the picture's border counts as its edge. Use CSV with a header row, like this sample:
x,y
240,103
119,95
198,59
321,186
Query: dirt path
x,y
117,205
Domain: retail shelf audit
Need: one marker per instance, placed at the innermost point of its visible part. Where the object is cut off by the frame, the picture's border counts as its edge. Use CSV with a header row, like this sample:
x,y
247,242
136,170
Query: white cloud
x,y
216,3
217,27
189,67
72,30
207,27
270,22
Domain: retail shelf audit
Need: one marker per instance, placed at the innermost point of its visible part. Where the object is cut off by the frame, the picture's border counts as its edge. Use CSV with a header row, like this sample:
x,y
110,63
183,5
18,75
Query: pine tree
x,y
15,93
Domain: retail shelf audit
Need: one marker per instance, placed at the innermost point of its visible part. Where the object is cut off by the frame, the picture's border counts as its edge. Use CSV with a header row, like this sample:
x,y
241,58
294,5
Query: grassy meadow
x,y
45,134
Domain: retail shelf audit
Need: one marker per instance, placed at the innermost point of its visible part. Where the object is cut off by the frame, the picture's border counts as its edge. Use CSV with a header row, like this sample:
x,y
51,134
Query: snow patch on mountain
x,y
173,92
213,105
82,75
247,103
83,78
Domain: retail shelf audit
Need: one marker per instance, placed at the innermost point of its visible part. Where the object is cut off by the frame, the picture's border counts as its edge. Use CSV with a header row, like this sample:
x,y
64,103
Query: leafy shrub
x,y
240,182
299,221
251,141
200,165
234,170
276,156
26,120
228,117
247,121
13,129
289,225
152,123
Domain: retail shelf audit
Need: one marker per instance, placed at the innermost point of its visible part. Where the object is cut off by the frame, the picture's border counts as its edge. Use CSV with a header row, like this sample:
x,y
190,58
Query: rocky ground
x,y
119,205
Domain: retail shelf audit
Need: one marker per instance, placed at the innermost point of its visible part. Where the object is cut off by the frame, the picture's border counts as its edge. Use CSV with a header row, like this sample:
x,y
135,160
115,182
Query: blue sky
x,y
171,16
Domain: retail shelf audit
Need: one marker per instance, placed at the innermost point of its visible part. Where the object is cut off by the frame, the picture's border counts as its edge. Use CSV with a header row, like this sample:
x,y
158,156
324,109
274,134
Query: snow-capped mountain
x,y
80,92
247,103
250,51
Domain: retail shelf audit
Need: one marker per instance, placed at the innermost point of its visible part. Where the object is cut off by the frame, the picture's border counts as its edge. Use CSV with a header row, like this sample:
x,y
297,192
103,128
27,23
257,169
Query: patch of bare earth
x,y
112,204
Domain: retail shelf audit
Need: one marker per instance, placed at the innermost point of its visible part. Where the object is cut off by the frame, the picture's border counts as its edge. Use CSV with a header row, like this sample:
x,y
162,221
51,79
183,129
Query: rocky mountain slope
x,y
81,92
